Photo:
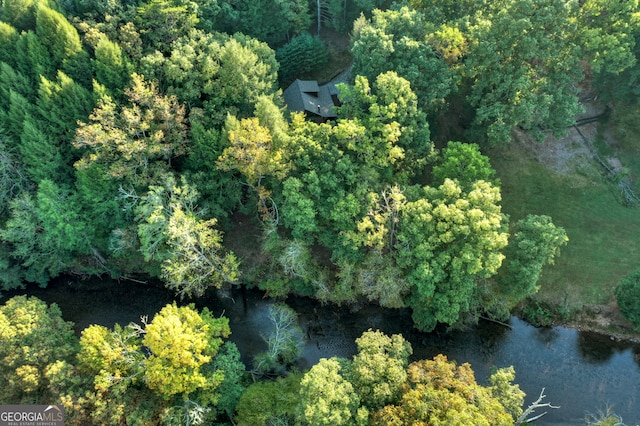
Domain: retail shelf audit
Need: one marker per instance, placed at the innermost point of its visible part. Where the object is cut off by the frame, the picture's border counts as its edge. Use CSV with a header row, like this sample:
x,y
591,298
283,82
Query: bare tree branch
x,y
524,418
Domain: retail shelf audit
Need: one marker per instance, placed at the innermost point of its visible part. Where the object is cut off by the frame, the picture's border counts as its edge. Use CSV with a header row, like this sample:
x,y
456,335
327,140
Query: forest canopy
x,y
135,135
151,139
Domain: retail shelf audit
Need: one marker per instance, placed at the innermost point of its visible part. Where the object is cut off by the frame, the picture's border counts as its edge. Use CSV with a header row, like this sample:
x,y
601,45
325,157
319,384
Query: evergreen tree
x,y
61,104
8,40
33,59
12,178
46,233
301,56
21,13
112,67
10,79
55,32
40,155
14,118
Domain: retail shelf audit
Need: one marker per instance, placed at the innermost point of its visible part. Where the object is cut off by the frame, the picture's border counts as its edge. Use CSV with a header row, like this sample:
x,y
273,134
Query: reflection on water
x,y
582,372
598,348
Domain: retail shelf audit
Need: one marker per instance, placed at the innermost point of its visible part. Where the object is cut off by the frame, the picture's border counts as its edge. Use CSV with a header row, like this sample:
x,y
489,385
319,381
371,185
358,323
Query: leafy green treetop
x,y
251,151
397,40
535,242
33,337
271,21
222,74
265,403
398,126
611,36
181,342
446,240
608,34
189,248
380,387
327,398
163,21
164,370
523,67
464,163
378,370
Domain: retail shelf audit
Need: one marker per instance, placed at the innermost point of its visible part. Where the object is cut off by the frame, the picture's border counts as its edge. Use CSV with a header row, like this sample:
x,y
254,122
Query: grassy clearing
x,y
604,244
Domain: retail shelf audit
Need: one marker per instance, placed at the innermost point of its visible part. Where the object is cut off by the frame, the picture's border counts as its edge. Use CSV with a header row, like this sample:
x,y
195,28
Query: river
x,y
581,372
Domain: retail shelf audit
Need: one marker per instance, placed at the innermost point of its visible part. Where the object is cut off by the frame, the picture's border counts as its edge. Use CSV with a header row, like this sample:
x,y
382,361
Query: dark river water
x,y
581,372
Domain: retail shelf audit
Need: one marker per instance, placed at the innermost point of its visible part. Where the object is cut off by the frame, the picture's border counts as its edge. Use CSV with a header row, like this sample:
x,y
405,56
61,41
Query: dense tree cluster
x,y
379,386
175,369
35,340
515,62
179,369
133,133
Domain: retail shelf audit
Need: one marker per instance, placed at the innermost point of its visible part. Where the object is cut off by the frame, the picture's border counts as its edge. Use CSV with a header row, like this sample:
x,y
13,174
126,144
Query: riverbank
x,y
581,371
606,320
563,178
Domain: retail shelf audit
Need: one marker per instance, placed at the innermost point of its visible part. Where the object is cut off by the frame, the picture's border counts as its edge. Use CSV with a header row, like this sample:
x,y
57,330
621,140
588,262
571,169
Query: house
x,y
316,101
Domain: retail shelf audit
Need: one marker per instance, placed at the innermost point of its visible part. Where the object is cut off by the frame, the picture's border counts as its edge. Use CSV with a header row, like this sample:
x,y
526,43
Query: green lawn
x,y
604,235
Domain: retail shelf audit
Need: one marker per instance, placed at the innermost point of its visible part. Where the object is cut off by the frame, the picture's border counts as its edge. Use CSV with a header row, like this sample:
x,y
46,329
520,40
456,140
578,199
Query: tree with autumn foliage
x,y
253,152
137,142
162,371
34,338
440,392
378,386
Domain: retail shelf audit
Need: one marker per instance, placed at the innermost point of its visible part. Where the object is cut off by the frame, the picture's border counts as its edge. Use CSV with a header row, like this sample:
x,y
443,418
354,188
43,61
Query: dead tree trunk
x,y
524,418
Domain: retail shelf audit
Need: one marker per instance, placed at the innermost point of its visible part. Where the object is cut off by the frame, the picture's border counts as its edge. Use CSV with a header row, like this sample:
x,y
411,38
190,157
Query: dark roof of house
x,y
305,95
